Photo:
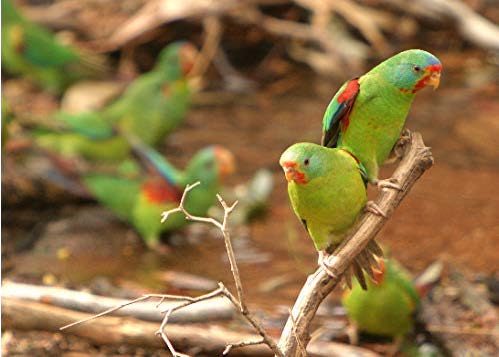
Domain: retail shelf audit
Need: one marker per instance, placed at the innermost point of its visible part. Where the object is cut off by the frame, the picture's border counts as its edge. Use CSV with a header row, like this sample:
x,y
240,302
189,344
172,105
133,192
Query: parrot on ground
x,y
151,107
388,306
327,191
367,114
32,51
140,201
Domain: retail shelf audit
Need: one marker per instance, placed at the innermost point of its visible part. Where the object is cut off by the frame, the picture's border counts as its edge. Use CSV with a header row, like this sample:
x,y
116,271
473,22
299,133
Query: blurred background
x,y
80,78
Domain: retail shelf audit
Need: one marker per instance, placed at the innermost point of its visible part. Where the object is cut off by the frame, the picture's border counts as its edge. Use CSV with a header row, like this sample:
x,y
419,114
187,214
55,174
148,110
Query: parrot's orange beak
x,y
226,161
433,75
434,80
188,57
292,174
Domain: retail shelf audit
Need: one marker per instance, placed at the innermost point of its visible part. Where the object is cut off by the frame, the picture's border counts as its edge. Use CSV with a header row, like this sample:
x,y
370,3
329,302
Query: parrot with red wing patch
x,y
140,201
367,114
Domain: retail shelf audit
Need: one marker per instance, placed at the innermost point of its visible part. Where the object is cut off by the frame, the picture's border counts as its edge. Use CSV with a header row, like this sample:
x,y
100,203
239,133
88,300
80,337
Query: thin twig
x,y
168,312
113,309
188,216
239,302
230,346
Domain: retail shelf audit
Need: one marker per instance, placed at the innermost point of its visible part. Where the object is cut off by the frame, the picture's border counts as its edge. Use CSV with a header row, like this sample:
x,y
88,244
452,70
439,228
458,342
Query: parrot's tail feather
x,y
364,260
371,260
374,248
357,270
347,277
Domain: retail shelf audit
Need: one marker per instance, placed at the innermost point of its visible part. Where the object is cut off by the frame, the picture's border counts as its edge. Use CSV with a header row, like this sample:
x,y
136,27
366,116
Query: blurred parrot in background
x,y
32,51
151,107
140,201
367,114
388,306
327,190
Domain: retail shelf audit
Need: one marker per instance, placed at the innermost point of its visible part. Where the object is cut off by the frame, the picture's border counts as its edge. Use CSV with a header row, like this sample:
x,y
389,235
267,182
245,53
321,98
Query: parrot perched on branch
x,y
141,201
32,51
367,114
327,190
151,107
388,306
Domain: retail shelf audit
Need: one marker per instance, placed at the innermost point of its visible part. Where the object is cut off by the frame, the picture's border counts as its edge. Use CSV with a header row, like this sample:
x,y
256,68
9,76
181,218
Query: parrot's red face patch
x,y
431,78
292,173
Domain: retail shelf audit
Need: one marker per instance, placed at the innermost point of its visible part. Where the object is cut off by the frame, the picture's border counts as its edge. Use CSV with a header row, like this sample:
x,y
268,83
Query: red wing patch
x,y
158,191
348,96
350,91
336,119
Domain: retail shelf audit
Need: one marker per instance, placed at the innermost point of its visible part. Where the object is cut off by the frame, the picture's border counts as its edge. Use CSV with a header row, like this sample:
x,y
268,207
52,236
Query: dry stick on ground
x,y
416,160
208,311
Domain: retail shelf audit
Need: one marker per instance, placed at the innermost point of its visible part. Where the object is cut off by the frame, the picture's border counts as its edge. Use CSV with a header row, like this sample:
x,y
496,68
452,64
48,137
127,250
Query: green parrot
x,y
151,107
32,51
367,114
140,201
388,306
327,190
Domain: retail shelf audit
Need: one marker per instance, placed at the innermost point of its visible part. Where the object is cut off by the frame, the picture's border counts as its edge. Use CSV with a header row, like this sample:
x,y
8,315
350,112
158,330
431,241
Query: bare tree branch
x,y
239,302
416,160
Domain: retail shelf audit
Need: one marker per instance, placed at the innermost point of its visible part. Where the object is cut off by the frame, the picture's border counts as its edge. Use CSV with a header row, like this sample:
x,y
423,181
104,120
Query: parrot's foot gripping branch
x,y
391,183
322,261
372,207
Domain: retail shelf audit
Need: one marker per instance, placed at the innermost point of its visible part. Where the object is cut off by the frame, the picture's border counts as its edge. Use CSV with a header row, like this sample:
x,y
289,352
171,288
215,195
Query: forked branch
x,y
238,302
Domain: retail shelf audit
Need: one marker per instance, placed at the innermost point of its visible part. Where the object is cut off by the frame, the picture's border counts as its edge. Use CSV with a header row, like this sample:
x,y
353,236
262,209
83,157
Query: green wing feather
x,y
117,194
90,124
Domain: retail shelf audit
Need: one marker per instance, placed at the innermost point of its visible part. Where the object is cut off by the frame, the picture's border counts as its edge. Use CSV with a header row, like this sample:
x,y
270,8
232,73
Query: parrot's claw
x,y
388,183
404,138
372,207
322,261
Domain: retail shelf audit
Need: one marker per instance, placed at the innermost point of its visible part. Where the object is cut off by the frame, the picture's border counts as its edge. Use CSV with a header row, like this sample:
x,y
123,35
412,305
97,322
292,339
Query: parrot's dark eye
x,y
306,162
416,69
